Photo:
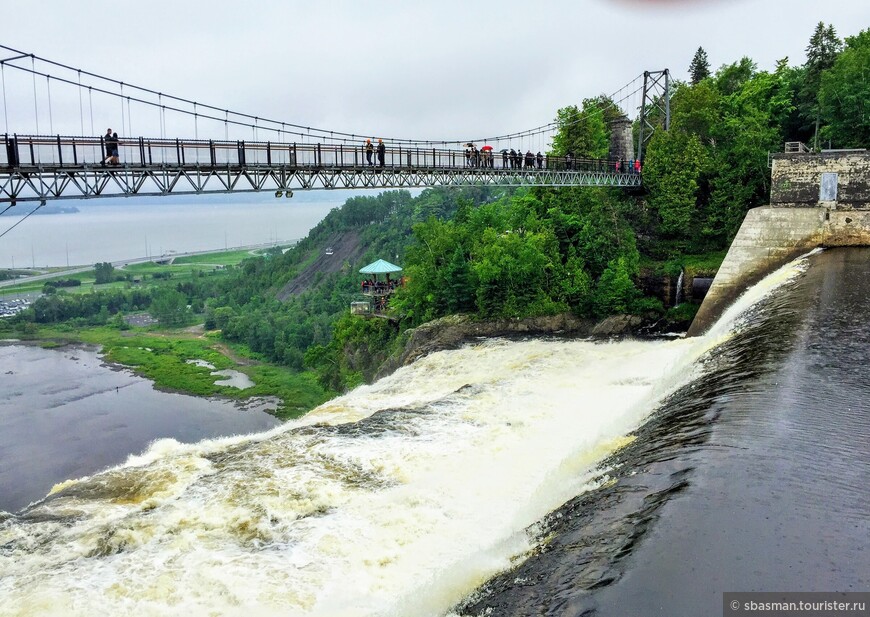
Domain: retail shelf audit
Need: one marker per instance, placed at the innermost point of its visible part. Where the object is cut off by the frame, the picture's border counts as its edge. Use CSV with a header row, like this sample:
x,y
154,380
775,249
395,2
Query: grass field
x,y
228,258
181,269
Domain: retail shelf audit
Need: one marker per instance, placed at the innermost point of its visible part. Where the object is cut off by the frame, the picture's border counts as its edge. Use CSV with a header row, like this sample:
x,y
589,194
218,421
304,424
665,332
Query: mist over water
x,y
399,498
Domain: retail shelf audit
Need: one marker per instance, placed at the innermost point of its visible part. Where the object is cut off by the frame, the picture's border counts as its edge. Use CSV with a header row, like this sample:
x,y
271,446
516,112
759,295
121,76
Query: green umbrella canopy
x,y
380,267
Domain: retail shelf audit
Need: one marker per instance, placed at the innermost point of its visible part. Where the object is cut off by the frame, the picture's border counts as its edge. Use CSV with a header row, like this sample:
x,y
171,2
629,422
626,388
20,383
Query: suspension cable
x,y
318,133
42,203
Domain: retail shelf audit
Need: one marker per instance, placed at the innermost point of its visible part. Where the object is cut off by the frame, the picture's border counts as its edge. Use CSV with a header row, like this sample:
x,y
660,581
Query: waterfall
x,y
398,498
679,295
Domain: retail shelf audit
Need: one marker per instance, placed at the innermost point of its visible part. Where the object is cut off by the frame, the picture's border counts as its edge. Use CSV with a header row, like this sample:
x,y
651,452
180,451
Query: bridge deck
x,y
37,168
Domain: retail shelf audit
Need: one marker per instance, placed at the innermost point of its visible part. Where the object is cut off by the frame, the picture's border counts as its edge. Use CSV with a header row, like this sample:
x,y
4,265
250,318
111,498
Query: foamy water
x,y
396,499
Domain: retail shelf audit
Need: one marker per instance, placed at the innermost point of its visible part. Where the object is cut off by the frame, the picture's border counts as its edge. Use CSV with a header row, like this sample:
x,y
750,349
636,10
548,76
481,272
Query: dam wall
x,y
816,200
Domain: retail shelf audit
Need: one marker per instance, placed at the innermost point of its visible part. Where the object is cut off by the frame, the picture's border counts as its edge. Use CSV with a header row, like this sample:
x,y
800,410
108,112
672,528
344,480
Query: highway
x,y
139,260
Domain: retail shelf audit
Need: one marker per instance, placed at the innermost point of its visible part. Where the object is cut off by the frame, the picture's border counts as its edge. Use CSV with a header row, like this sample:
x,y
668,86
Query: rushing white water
x,y
396,499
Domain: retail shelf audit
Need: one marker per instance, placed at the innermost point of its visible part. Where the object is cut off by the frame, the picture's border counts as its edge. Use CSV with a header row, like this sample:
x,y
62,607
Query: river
x,y
544,477
113,230
65,414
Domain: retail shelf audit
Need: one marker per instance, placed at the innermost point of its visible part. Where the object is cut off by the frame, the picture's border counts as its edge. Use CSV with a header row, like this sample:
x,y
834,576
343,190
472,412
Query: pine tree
x,y
822,52
700,67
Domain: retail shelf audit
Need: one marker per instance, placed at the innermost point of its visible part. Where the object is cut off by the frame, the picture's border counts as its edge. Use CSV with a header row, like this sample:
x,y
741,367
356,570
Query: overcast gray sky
x,y
433,70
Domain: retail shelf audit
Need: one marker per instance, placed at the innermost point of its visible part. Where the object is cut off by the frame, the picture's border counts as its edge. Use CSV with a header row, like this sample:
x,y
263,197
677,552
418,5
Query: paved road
x,y
139,260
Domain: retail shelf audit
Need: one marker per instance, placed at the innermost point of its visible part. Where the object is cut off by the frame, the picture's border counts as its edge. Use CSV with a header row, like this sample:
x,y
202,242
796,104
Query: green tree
x,y
583,132
822,52
844,95
731,77
616,291
169,307
672,172
699,69
104,272
696,110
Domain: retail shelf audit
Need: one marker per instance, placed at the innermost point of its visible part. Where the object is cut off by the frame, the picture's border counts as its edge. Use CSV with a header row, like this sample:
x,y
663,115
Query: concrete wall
x,y
769,238
796,179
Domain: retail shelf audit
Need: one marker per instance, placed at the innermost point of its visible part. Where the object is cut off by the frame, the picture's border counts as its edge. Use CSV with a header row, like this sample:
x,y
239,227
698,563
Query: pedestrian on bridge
x,y
382,150
111,141
540,159
370,150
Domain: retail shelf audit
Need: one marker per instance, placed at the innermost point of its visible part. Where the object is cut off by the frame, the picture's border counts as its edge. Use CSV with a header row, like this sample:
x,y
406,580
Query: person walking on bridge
x,y
370,150
382,150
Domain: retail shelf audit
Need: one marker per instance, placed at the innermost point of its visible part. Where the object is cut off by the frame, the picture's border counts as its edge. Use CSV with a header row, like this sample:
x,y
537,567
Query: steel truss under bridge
x,y
39,168
43,185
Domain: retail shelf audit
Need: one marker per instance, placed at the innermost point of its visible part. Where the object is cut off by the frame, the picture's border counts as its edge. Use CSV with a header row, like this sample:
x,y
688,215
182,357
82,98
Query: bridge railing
x,y
58,151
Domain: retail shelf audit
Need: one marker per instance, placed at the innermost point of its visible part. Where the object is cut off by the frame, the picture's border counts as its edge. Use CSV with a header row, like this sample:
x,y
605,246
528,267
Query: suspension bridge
x,y
39,166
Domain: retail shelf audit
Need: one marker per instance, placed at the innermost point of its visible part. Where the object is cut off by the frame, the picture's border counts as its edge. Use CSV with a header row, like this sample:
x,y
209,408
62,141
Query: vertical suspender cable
x,y
162,118
227,125
196,133
35,106
50,119
91,107
123,123
5,115
81,106
129,119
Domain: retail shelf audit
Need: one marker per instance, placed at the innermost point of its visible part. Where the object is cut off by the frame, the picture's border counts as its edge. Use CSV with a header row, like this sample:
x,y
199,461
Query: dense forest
x,y
496,253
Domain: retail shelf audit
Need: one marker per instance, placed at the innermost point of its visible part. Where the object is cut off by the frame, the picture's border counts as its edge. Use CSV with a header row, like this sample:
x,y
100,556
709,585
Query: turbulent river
x,y
548,460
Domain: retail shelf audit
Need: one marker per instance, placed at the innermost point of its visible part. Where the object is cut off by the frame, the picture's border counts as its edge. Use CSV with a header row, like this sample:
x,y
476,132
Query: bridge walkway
x,y
42,168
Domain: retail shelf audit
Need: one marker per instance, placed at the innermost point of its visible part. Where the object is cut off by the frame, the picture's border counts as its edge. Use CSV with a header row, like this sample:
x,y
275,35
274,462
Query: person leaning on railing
x,y
382,149
111,141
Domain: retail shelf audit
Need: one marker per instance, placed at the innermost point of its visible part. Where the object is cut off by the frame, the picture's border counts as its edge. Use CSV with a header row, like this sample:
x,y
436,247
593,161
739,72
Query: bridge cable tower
x,y
655,106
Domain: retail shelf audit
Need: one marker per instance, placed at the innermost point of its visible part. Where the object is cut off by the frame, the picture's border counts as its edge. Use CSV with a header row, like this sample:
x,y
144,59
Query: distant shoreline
x,y
47,209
